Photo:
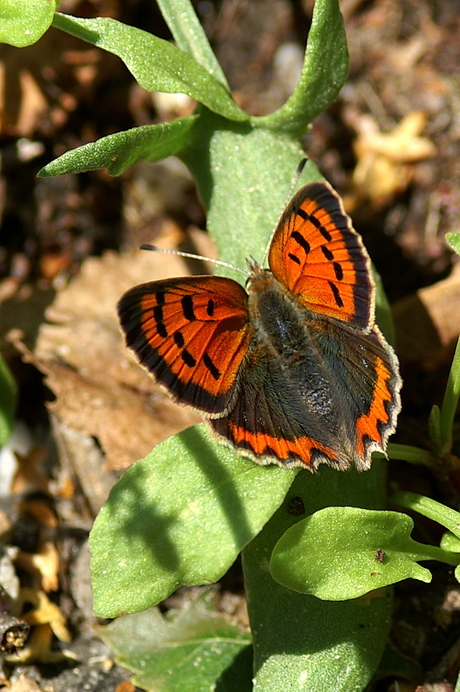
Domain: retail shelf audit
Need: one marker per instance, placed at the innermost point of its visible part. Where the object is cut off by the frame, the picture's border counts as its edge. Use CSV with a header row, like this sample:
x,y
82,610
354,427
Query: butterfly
x,y
292,369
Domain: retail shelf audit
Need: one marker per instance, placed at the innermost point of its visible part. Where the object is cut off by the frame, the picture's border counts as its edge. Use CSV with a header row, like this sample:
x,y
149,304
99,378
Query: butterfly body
x,y
291,371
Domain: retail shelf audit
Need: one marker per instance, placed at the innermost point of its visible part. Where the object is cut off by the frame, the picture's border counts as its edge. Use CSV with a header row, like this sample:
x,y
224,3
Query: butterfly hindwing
x,y
191,333
317,254
339,416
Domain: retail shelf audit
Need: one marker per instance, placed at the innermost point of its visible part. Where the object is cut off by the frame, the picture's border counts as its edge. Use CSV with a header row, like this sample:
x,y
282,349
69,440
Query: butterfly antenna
x,y
292,187
191,255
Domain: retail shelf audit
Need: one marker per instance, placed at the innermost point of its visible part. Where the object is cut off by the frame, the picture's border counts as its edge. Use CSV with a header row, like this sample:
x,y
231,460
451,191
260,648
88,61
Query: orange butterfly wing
x,y
191,333
317,254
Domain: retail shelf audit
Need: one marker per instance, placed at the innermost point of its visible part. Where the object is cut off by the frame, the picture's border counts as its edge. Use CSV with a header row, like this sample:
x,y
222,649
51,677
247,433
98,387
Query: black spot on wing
x,y
338,271
179,339
327,253
187,308
209,363
188,358
303,242
336,294
158,314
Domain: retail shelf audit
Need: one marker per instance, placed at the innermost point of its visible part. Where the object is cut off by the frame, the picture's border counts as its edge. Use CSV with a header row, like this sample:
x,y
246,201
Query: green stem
x,y
432,552
449,405
188,33
429,508
414,455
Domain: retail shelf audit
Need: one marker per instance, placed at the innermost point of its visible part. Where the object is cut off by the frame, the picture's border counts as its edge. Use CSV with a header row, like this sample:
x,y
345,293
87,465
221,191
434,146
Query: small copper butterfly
x,y
293,370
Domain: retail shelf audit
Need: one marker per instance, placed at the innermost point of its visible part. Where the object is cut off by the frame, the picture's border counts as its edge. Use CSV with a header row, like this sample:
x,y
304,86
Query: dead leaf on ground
x,y
25,684
427,323
384,160
100,389
44,565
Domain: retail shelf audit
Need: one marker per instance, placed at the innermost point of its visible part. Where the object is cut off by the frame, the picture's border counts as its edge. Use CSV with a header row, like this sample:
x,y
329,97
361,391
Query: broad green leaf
x,y
179,517
344,552
23,23
122,150
395,664
453,239
8,397
315,644
188,651
252,179
324,72
457,685
155,64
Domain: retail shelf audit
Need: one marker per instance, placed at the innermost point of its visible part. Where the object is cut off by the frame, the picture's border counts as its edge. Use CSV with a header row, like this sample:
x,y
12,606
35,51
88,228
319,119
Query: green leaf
x,y
413,455
450,542
122,150
453,239
8,399
324,72
179,517
434,426
23,23
325,645
189,35
333,553
446,516
253,176
156,64
394,664
194,649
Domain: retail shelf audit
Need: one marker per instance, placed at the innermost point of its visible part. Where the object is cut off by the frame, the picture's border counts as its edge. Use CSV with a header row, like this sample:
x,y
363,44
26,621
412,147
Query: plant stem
x,y
414,455
449,405
429,508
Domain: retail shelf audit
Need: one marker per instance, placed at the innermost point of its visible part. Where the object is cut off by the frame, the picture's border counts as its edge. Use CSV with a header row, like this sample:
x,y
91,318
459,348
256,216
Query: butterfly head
x,y
258,277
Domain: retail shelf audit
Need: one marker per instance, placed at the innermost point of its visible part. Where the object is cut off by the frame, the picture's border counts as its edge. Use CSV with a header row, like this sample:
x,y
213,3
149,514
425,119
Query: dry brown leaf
x,y
45,564
41,511
45,613
383,159
428,322
39,648
22,313
30,475
100,389
25,684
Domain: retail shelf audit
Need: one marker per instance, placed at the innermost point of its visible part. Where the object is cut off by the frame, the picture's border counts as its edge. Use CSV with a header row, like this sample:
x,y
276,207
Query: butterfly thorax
x,y
276,316
287,358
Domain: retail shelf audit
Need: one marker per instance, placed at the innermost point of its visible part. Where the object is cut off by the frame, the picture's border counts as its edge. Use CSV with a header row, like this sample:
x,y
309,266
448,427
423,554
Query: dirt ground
x,y
390,145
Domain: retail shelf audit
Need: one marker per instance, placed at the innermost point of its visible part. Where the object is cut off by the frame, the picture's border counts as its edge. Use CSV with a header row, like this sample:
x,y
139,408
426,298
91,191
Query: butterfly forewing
x,y
316,253
191,333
